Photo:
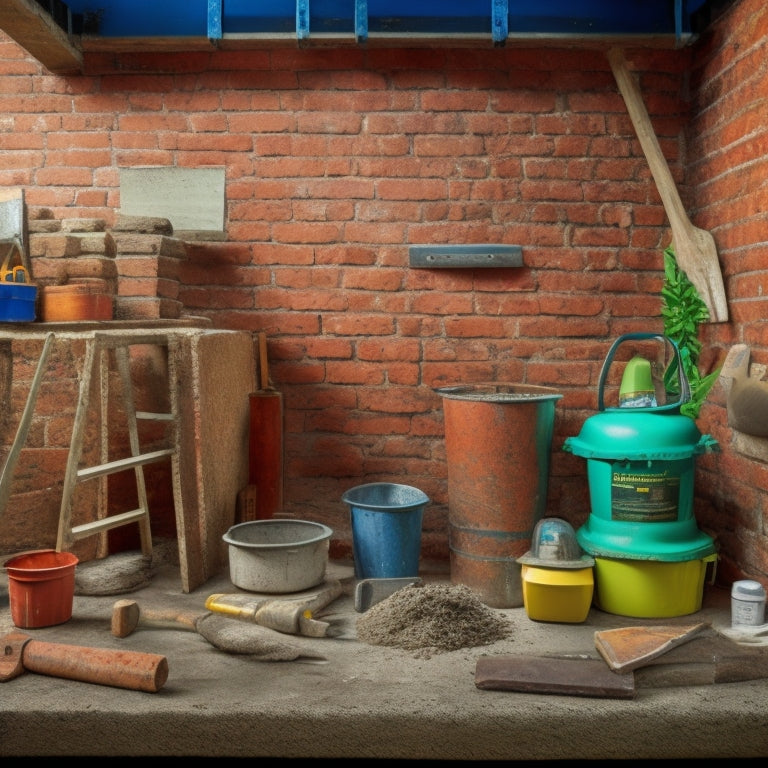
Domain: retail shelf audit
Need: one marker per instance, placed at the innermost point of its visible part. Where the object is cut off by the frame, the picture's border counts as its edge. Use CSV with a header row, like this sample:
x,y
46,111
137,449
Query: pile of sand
x,y
432,618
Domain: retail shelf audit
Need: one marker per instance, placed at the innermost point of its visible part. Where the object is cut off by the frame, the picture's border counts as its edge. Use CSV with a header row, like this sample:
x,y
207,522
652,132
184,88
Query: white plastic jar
x,y
747,603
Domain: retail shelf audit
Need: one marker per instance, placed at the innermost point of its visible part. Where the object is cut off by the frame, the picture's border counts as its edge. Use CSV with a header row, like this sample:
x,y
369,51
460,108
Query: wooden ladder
x,y
96,365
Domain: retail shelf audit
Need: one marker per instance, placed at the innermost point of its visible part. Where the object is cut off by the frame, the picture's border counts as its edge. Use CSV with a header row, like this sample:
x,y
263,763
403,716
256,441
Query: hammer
x,y
292,616
103,666
257,641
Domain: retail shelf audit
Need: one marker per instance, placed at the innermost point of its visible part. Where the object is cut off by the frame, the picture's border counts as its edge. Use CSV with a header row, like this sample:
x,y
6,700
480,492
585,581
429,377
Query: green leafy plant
x,y
683,311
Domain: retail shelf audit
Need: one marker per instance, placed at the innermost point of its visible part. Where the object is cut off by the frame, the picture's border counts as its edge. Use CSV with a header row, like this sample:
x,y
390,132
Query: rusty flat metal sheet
x,y
539,674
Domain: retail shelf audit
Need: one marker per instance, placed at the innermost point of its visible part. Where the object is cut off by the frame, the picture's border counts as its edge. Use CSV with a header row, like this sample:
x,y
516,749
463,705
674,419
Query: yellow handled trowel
x,y
294,616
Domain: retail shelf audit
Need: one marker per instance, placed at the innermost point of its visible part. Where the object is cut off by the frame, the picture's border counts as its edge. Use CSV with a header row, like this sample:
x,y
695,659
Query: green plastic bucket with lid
x,y
640,473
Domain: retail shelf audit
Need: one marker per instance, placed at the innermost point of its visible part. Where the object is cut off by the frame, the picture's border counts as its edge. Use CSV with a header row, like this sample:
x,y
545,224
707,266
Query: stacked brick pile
x,y
136,261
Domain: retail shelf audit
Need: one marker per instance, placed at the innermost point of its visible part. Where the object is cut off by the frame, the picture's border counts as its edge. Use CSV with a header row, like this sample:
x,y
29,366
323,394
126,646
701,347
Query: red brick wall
x,y
338,159
727,164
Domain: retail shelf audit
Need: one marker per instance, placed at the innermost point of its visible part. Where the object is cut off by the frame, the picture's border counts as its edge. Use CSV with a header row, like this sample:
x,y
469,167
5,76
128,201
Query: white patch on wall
x,y
192,199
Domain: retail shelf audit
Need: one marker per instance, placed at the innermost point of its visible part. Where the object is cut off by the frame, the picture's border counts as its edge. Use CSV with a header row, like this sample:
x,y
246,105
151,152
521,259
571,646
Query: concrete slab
x,y
360,700
192,199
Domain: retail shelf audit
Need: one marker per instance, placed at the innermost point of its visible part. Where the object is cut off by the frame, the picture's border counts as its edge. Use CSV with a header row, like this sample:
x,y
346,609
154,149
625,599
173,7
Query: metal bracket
x,y
361,21
499,21
302,19
215,24
472,256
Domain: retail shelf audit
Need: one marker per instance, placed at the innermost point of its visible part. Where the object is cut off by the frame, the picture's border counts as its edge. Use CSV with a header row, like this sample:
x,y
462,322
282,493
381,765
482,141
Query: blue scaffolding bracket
x,y
499,21
361,21
302,19
214,21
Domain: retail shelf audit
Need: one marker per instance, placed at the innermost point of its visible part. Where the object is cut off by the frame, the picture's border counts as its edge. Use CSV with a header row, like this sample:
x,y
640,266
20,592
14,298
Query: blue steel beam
x,y
501,19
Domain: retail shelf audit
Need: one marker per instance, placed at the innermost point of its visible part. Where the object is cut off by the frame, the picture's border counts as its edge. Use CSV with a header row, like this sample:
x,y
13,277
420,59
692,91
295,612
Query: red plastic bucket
x,y
41,588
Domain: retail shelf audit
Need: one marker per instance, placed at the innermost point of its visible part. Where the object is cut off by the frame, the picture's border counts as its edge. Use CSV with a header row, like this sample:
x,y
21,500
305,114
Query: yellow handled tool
x,y
293,616
15,275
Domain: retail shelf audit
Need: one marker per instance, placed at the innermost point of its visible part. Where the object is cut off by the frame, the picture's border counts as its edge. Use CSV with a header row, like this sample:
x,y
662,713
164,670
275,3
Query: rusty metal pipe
x,y
123,669
498,440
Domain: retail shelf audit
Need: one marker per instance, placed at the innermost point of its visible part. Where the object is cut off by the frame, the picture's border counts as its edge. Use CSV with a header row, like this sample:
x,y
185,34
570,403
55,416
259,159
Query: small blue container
x,y
17,302
386,529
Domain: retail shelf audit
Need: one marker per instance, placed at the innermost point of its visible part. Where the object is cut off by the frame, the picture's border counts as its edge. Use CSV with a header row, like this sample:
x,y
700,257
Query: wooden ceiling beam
x,y
33,28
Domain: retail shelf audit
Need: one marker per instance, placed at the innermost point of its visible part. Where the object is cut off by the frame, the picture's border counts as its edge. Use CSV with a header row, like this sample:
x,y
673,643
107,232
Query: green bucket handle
x,y
685,387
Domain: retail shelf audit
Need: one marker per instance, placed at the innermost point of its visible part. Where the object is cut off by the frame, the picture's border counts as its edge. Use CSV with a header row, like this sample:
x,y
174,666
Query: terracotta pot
x,y
75,301
41,587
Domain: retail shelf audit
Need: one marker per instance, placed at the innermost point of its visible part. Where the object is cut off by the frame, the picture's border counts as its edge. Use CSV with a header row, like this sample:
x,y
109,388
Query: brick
x,y
98,201
143,308
48,271
98,243
135,244
64,177
160,288
142,225
138,286
54,245
43,226
93,266
83,225
147,266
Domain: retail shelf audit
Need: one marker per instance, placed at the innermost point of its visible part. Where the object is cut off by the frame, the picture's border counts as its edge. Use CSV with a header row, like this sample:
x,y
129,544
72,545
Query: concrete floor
x,y
347,699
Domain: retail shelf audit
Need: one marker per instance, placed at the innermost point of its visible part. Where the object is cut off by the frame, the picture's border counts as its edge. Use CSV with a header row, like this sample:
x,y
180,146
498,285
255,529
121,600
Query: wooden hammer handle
x,y
127,615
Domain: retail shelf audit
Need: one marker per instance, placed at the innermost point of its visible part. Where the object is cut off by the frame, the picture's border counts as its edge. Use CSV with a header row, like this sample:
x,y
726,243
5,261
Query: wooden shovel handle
x,y
695,248
678,219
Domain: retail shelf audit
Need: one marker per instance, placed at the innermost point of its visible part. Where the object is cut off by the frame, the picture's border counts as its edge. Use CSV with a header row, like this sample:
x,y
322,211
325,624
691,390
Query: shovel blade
x,y
368,592
696,255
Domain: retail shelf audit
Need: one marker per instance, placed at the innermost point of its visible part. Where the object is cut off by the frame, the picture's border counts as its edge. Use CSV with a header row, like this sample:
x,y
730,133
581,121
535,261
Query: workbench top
x,y
347,699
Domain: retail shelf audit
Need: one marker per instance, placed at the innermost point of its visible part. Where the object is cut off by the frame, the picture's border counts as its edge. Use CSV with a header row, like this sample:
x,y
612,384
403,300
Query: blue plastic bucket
x,y
386,529
17,302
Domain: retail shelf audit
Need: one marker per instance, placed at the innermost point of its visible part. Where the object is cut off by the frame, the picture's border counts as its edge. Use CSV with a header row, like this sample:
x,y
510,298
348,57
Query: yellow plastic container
x,y
557,594
651,589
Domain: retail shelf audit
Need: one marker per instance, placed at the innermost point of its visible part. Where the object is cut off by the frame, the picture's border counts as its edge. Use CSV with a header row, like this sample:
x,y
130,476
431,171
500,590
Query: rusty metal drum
x,y
498,440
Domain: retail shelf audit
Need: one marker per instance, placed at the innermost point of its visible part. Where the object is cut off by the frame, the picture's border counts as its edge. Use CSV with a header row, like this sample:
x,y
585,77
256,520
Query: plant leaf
x,y
683,311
